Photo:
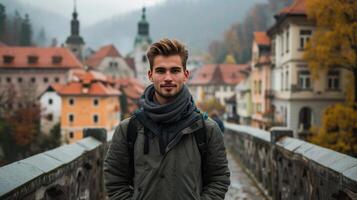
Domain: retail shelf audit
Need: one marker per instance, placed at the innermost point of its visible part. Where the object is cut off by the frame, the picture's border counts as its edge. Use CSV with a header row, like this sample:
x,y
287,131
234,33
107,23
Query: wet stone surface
x,y
242,187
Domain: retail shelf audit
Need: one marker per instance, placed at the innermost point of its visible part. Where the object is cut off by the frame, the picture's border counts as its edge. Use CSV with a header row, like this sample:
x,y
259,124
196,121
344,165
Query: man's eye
x,y
176,71
160,71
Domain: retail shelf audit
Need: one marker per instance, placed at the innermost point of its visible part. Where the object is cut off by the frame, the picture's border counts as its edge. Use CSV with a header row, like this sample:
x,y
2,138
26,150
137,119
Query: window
x,y
71,118
74,49
19,80
71,102
282,81
287,42
95,118
8,79
282,44
95,102
33,80
286,80
304,38
50,101
144,58
57,80
56,59
8,59
45,80
49,117
32,59
71,134
260,87
304,79
333,80
305,119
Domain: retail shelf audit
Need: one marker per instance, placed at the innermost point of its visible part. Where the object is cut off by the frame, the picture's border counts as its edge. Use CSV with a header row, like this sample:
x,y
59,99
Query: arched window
x,y
305,118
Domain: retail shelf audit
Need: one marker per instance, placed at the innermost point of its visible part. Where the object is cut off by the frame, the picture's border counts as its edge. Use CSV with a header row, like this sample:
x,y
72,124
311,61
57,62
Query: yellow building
x,y
90,102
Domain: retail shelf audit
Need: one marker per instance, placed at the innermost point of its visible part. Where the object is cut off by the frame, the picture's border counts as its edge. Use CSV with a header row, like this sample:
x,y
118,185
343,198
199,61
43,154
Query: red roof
x,y
218,74
132,87
131,63
94,89
89,83
261,38
297,7
90,76
45,57
105,51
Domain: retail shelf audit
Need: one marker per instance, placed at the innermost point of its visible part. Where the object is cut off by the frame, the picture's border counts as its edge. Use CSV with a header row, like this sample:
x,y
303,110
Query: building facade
x,y
261,81
299,98
109,61
91,102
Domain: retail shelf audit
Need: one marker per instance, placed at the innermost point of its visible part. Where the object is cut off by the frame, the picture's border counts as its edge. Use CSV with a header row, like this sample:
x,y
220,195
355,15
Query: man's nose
x,y
168,76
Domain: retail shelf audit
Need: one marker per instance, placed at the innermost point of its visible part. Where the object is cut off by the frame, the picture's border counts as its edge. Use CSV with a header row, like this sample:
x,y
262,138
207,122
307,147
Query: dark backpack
x,y
200,137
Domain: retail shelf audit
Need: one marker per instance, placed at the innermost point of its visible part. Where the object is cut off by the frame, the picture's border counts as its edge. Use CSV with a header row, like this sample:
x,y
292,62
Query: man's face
x,y
168,77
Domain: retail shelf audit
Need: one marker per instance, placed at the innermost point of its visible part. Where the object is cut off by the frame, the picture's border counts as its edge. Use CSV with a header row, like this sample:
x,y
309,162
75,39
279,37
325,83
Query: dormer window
x,y
8,59
56,59
32,59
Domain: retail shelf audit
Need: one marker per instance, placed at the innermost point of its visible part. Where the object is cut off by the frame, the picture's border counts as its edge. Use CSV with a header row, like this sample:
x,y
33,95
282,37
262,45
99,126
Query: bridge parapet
x,y
72,171
289,168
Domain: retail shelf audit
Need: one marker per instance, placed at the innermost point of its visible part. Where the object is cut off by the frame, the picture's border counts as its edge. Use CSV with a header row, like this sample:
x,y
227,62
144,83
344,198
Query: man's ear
x,y
150,75
187,74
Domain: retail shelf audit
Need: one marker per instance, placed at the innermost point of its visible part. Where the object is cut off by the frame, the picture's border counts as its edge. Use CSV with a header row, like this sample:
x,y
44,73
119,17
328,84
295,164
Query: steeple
x,y
143,29
75,42
75,38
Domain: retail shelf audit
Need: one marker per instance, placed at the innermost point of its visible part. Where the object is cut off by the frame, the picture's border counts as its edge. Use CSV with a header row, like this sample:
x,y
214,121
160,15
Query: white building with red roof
x,y
109,61
51,103
215,81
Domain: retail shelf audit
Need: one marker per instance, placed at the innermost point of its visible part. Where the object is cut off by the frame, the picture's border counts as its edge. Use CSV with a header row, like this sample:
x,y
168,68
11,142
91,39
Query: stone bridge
x,y
279,167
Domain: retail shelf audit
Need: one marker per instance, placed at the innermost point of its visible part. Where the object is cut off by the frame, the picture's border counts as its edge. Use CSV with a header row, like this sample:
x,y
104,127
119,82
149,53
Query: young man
x,y
176,153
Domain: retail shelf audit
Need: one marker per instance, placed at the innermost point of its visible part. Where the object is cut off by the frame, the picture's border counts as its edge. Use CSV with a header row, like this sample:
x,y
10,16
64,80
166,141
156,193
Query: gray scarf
x,y
180,108
167,120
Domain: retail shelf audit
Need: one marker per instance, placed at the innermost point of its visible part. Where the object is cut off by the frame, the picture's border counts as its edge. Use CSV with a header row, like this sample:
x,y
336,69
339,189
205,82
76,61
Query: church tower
x,y
141,44
75,42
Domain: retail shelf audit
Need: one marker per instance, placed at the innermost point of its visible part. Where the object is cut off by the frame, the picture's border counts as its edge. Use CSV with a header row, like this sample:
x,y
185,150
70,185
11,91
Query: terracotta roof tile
x,y
297,7
218,74
45,57
105,51
131,63
261,38
94,89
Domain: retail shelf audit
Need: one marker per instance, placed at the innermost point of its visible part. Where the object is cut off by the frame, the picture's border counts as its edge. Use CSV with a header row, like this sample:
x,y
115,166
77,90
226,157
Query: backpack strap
x,y
201,140
132,133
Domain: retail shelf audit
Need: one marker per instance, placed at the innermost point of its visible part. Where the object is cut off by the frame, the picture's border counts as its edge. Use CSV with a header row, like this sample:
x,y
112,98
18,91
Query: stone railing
x,y
72,171
286,168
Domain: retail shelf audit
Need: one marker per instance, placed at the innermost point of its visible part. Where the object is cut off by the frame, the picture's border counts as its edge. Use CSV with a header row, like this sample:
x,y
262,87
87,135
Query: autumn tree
x,y
334,44
337,129
211,105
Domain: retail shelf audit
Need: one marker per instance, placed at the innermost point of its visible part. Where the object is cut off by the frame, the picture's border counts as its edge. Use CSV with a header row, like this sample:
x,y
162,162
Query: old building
x,y
109,61
261,81
244,97
30,70
90,102
299,99
215,81
51,104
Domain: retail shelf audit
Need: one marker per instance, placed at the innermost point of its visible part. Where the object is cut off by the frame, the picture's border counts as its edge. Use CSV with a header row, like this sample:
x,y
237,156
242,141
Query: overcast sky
x,y
91,11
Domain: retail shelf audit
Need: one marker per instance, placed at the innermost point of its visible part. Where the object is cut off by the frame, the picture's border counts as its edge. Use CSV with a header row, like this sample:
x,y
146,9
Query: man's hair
x,y
167,47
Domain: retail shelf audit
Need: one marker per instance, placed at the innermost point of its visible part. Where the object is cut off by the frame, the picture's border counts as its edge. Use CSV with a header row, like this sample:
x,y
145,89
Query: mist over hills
x,y
196,22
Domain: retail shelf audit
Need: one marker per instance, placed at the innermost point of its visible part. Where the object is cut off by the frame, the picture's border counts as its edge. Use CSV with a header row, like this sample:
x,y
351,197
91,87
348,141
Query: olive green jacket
x,y
175,175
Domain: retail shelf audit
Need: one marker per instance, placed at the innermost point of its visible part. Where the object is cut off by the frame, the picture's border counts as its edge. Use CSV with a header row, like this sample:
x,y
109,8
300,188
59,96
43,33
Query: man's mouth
x,y
168,86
